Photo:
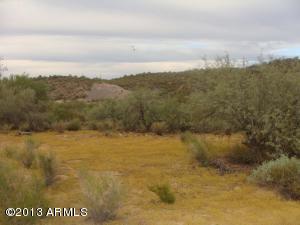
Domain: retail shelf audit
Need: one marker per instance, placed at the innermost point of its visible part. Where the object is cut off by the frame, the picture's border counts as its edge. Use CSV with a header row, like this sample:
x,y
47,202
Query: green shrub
x,y
164,193
74,125
19,189
21,104
282,173
29,153
197,147
102,195
49,165
159,128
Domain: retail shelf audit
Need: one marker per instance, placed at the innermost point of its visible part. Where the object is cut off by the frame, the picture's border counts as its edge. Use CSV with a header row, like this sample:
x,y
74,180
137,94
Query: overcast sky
x,y
110,38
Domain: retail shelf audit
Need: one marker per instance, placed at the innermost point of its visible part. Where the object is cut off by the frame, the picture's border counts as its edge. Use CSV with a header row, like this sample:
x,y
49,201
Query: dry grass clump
x,y
102,195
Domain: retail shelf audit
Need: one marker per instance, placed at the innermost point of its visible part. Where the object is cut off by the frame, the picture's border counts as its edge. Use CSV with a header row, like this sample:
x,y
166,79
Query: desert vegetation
x,y
250,114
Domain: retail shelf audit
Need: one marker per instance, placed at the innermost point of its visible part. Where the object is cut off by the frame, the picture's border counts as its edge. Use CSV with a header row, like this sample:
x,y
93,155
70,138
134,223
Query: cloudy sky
x,y
110,38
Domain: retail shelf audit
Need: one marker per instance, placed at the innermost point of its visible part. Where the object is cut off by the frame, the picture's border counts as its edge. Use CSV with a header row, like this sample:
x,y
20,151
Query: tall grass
x,y
49,165
29,153
102,195
197,147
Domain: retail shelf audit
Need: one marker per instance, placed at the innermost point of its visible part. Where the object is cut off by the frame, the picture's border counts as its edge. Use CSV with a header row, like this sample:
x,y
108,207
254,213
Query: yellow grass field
x,y
202,195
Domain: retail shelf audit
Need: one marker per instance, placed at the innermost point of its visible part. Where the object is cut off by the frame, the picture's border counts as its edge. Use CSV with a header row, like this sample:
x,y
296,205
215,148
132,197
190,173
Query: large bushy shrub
x,y
23,101
264,103
282,173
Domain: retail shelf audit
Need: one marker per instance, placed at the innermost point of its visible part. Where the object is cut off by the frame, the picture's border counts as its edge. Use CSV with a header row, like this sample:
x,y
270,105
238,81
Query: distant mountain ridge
x,y
183,83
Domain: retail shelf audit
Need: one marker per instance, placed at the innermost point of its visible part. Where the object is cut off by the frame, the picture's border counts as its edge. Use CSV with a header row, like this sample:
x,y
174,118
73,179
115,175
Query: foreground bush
x,y
19,189
282,173
49,165
164,193
197,147
102,195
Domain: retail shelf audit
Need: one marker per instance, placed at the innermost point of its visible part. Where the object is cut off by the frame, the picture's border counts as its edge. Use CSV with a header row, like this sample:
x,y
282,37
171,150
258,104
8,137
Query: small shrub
x,y
197,147
164,193
282,173
19,189
59,126
242,155
102,195
74,125
48,164
29,153
159,128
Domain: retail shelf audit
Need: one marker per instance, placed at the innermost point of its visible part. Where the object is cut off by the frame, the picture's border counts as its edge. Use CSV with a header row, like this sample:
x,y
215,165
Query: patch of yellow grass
x,y
202,196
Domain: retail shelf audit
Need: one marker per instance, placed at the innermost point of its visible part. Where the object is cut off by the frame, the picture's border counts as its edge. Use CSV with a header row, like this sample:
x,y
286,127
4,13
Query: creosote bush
x,y
102,195
282,173
164,193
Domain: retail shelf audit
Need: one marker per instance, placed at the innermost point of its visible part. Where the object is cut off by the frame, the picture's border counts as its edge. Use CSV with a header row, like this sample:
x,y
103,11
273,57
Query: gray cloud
x,y
89,32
